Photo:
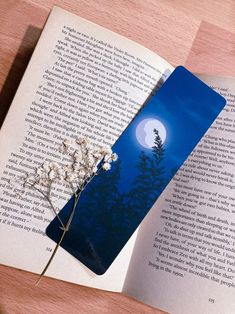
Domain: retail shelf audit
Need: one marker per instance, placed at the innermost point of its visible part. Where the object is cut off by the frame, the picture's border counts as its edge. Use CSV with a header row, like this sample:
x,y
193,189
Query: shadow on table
x,y
17,69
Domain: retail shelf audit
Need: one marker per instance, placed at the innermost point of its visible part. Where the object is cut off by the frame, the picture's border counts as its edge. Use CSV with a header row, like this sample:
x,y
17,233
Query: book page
x,y
82,80
183,261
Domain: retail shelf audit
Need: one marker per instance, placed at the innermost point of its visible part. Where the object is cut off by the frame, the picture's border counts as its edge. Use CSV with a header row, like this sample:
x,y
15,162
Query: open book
x,y
85,80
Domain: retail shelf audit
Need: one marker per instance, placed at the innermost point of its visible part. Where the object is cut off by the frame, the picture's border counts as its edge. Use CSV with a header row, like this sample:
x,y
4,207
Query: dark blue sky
x,y
186,107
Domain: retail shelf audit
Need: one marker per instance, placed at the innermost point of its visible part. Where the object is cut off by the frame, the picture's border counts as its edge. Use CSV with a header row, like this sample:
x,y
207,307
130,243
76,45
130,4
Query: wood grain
x,y
168,28
216,12
19,295
213,51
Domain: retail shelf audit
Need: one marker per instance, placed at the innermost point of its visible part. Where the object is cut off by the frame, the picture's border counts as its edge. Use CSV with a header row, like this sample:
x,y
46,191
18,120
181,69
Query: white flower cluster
x,y
83,163
86,162
49,171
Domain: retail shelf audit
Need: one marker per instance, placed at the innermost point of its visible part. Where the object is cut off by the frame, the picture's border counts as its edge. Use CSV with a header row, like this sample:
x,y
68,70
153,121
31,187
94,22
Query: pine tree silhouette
x,y
158,150
138,197
157,169
150,180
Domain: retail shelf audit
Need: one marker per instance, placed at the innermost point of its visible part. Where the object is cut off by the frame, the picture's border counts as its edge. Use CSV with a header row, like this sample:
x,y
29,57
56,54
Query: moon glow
x,y
145,134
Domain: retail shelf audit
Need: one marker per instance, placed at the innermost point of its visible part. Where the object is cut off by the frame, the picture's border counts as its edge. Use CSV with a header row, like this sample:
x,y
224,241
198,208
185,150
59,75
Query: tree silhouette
x,y
150,180
158,150
157,169
138,196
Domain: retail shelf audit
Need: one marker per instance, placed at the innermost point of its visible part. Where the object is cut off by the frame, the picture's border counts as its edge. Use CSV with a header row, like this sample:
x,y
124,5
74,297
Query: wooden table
x,y
200,35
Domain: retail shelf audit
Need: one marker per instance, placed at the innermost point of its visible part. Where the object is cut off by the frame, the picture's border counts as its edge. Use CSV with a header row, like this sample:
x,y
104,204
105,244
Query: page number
x,y
211,300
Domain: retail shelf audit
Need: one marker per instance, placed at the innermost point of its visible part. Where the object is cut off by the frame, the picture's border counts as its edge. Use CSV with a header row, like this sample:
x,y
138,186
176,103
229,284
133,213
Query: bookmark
x,y
150,151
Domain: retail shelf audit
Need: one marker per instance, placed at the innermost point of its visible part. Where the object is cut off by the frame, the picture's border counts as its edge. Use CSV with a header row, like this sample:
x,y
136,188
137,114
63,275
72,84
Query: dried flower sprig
x,y
82,163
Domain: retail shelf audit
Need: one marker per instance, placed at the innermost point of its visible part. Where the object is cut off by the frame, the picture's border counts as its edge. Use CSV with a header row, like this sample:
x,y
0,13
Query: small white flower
x,y
91,161
97,155
54,165
82,141
64,146
52,175
105,151
114,157
106,166
76,166
61,173
70,177
94,169
81,174
77,155
107,158
83,163
79,140
40,172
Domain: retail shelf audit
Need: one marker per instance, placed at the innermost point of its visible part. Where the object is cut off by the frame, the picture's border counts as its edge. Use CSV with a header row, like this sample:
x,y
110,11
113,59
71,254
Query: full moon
x,y
145,134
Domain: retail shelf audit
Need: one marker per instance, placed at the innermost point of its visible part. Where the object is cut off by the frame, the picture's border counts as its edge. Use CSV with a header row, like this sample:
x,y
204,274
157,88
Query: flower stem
x,y
49,201
65,229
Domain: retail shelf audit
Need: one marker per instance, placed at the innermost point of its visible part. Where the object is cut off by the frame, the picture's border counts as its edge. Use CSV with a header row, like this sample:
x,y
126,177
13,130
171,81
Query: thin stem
x,y
65,229
49,201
